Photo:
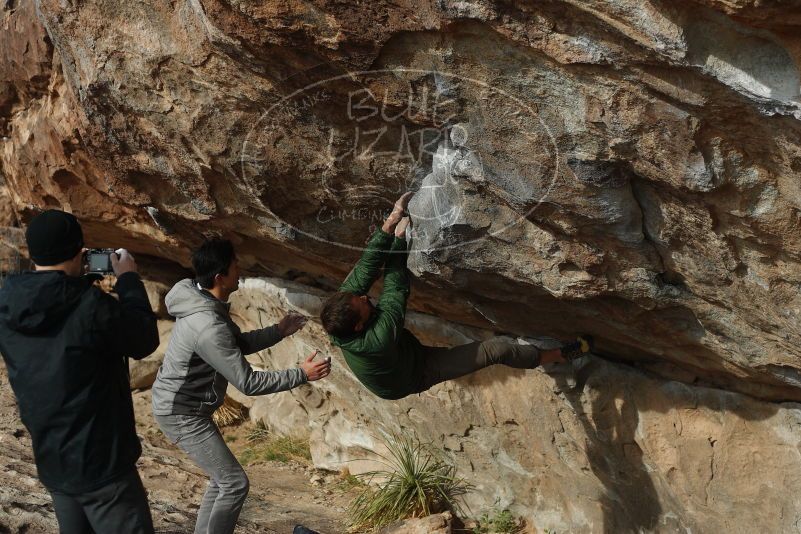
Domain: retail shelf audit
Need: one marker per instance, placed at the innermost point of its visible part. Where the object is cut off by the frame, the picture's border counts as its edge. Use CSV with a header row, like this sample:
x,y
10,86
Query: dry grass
x,y
230,413
258,433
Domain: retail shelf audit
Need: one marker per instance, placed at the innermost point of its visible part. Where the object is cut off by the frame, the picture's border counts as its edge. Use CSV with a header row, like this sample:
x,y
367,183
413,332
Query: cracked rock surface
x,y
627,169
605,449
624,168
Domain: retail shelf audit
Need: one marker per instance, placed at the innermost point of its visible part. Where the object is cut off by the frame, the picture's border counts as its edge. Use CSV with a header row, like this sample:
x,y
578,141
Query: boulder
x,y
621,168
599,448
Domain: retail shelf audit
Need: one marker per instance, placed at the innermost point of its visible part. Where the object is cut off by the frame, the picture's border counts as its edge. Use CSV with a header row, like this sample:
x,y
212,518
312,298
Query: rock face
x,y
624,168
620,452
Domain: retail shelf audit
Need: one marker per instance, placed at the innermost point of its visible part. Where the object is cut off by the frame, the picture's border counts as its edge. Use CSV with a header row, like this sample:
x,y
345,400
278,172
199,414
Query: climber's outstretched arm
x,y
392,303
368,269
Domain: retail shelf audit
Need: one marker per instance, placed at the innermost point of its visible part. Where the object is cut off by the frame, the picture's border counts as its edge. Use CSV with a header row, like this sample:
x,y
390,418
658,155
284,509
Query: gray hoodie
x,y
206,352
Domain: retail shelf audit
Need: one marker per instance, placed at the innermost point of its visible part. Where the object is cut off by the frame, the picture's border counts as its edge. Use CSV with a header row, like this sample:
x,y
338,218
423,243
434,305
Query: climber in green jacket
x,y
386,357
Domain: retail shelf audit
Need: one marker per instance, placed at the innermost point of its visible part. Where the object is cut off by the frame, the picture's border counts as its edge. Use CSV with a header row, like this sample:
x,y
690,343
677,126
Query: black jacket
x,y
65,343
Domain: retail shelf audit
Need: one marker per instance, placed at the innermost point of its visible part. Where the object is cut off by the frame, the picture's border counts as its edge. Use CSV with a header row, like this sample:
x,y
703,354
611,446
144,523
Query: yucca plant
x,y
418,481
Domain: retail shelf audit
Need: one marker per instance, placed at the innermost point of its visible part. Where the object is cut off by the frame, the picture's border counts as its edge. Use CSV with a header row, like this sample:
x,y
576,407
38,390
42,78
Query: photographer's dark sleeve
x,y
128,326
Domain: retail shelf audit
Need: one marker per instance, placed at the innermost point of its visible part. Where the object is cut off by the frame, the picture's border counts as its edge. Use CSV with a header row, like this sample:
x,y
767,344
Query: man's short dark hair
x,y
213,257
338,316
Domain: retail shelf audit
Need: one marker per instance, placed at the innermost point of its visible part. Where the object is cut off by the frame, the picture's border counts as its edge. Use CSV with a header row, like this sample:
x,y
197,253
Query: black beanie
x,y
53,236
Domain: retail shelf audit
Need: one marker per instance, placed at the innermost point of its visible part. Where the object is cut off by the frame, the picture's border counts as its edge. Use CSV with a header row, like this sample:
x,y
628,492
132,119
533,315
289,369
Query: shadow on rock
x,y
610,401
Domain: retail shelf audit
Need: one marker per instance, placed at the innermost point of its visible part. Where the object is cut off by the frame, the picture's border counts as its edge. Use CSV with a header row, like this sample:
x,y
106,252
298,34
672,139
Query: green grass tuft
x,y
347,481
258,433
268,447
498,522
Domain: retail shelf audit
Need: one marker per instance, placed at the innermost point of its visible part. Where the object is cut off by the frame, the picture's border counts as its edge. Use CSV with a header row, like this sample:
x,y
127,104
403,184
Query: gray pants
x,y
118,507
448,363
228,485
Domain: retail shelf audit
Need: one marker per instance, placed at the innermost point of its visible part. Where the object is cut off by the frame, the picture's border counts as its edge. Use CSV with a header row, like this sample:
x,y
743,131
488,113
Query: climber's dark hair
x,y
338,316
213,257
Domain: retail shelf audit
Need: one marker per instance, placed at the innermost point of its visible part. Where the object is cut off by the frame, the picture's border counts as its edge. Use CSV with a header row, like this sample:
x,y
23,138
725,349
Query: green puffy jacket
x,y
385,357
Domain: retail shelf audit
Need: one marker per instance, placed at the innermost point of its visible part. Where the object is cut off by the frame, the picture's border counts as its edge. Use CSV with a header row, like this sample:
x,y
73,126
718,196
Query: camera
x,y
99,260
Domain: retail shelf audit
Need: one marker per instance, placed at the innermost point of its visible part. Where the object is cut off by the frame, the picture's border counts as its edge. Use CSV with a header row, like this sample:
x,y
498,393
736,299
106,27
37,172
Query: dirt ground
x,y
281,494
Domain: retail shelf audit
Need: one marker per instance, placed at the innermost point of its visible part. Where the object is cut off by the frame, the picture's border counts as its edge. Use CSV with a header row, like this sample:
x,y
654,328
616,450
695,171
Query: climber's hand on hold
x,y
402,203
400,230
398,212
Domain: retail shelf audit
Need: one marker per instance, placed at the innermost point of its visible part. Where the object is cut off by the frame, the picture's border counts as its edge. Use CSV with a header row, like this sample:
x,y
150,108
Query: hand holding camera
x,y
123,262
108,261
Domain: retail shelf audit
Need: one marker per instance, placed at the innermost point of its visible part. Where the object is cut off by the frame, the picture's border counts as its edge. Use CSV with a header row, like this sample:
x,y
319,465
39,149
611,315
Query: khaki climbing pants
x,y
441,364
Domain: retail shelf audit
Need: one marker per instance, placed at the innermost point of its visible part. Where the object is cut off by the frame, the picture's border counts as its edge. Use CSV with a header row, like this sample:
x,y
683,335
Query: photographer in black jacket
x,y
66,343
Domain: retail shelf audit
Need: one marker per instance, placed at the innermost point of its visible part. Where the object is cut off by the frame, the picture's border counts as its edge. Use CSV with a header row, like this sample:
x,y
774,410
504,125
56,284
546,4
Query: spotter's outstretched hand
x,y
315,370
291,323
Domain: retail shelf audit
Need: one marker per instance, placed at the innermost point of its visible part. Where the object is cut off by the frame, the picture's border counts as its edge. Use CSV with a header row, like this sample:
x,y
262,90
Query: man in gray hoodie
x,y
205,354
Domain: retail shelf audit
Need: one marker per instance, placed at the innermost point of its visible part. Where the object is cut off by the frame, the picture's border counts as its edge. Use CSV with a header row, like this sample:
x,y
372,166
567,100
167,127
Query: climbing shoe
x,y
582,346
300,529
